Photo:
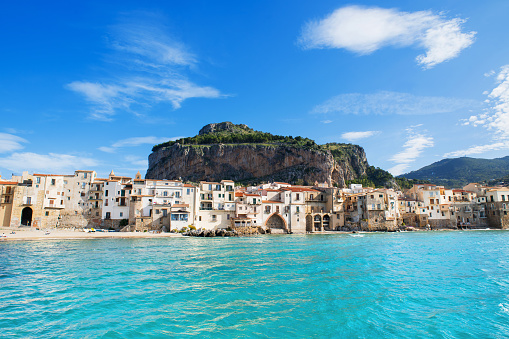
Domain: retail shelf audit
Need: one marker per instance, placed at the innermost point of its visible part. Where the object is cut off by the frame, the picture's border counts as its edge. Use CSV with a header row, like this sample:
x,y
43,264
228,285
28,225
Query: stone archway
x,y
26,216
326,222
275,221
317,221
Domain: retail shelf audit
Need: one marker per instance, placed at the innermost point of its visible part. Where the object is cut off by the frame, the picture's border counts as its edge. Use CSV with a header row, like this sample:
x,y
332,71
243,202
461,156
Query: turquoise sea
x,y
380,285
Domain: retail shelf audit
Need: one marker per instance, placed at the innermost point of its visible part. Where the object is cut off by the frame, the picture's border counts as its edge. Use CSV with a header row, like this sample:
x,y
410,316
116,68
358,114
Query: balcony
x,y
205,208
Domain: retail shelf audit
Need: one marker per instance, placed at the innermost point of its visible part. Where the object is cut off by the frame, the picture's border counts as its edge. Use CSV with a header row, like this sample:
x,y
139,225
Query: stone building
x,y
7,189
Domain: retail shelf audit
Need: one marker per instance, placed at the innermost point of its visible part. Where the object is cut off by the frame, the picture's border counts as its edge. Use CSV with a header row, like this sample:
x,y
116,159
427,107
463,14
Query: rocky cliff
x,y
278,158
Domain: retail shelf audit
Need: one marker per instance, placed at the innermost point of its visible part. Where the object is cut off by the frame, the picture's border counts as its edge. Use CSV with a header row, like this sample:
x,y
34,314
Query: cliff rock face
x,y
255,162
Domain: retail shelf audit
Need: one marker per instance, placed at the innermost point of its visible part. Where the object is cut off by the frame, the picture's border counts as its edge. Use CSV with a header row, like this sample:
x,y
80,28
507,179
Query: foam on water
x,y
438,284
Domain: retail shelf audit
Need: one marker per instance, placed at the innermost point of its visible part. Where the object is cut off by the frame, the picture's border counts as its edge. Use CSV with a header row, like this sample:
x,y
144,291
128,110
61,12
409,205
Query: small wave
x,y
504,307
356,235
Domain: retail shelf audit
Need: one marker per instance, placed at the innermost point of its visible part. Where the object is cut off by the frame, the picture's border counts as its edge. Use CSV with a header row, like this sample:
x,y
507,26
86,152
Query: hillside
x,y
237,152
460,171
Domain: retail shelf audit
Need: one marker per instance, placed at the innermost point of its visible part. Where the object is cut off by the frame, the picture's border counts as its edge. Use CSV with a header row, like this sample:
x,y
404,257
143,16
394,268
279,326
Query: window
x,y
47,213
61,202
38,180
165,194
214,217
106,193
51,202
121,214
188,191
297,197
85,175
227,217
218,187
157,211
165,213
311,197
254,202
503,197
108,215
53,181
199,218
297,209
177,194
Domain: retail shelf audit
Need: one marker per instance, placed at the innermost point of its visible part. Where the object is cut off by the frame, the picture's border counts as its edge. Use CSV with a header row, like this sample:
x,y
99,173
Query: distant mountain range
x,y
460,171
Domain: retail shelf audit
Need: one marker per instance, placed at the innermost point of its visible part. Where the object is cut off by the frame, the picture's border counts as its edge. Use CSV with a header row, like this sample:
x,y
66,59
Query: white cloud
x,y
48,163
385,102
413,147
326,121
152,69
136,141
137,161
150,44
364,30
478,149
10,142
354,136
495,118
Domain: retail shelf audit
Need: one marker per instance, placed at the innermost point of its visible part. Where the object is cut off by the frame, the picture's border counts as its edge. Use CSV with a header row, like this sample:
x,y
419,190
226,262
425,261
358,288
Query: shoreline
x,y
78,234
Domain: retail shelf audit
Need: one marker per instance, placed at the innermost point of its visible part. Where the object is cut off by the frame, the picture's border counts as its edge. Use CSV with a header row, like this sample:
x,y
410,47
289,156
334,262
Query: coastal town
x,y
83,200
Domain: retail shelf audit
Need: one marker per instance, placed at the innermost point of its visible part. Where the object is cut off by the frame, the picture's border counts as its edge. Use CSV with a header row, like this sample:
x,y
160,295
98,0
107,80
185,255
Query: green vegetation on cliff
x,y
350,158
241,137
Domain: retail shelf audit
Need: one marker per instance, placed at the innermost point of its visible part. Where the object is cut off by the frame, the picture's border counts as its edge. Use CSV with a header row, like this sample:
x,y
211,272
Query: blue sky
x,y
94,85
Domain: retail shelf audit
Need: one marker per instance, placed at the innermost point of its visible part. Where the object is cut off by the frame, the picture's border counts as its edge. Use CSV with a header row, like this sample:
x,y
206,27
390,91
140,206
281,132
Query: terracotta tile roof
x,y
271,202
8,182
500,189
299,189
180,205
189,185
251,195
48,175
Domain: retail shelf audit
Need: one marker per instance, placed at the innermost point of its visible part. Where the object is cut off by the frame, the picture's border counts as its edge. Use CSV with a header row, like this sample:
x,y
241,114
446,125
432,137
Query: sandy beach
x,y
6,234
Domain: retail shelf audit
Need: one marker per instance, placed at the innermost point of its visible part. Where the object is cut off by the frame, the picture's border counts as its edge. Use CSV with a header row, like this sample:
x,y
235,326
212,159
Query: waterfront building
x,y
83,200
216,204
7,189
497,202
116,193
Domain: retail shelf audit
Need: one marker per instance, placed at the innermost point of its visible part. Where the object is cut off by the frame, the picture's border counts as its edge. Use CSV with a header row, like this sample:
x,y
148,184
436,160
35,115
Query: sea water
x,y
378,285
